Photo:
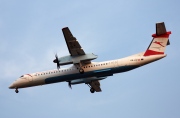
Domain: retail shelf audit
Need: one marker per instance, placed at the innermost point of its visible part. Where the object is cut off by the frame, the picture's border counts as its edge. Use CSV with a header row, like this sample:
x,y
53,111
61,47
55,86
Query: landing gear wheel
x,y
92,90
16,91
81,70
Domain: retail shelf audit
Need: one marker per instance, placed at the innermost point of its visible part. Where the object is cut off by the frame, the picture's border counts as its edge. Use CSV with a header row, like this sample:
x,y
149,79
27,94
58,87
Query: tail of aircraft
x,y
159,42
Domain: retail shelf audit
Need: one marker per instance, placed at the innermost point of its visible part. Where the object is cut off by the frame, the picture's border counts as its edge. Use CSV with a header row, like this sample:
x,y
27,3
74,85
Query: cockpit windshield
x,y
22,76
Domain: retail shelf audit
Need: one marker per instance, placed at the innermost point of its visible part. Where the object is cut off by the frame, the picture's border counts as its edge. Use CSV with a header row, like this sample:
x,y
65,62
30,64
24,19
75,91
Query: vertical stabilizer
x,y
159,42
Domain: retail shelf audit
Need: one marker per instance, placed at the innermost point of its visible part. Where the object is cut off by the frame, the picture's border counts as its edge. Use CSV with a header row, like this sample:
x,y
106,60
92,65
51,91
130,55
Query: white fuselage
x,y
95,69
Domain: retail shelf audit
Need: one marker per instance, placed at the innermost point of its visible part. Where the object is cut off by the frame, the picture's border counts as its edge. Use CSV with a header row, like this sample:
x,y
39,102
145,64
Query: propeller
x,y
57,61
69,84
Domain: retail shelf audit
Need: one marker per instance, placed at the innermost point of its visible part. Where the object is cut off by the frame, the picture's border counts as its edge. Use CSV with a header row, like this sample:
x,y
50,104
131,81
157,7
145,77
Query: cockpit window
x,y
22,76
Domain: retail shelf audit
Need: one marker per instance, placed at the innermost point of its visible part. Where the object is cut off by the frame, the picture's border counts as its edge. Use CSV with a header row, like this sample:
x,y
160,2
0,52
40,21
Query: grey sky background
x,y
30,35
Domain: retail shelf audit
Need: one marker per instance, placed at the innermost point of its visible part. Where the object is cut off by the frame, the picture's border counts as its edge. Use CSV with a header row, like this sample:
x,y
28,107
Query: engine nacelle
x,y
76,59
86,80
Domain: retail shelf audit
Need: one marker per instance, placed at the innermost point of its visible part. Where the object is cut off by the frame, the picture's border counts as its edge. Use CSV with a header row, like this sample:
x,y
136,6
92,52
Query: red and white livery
x,y
83,70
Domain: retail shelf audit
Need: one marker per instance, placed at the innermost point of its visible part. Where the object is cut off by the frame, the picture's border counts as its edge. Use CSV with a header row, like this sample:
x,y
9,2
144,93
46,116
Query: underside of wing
x,y
73,45
92,82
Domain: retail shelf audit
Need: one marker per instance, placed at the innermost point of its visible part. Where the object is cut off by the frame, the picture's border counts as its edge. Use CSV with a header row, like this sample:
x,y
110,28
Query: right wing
x,y
73,45
92,82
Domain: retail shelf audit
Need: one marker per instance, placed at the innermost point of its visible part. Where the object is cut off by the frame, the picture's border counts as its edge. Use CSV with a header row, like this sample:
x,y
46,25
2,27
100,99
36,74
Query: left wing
x,y
77,55
73,45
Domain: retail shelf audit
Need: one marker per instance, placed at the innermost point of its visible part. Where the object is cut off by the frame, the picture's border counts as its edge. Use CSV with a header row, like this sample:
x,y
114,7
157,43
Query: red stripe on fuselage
x,y
151,52
29,75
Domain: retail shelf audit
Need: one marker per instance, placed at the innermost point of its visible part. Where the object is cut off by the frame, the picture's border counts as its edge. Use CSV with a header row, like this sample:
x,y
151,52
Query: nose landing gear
x,y
16,90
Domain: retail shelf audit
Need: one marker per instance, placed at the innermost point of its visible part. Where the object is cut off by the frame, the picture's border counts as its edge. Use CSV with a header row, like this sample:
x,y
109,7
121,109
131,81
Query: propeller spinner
x,y
57,61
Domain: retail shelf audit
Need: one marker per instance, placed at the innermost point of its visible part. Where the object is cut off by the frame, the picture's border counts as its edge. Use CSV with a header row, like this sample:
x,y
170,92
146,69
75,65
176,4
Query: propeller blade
x,y
69,84
57,61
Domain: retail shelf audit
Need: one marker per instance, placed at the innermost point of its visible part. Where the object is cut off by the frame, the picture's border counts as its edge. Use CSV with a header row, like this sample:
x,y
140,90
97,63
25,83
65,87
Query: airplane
x,y
83,70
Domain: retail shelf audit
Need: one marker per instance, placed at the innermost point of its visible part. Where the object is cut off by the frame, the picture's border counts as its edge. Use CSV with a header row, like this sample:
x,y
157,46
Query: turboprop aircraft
x,y
83,70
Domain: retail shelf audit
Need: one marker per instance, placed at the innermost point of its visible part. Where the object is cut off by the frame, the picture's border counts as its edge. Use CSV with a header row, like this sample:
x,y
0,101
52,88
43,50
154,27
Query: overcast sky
x,y
30,35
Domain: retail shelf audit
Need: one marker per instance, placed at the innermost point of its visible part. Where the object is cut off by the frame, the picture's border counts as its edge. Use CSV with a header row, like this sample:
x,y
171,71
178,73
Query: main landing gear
x,y
81,70
92,90
16,90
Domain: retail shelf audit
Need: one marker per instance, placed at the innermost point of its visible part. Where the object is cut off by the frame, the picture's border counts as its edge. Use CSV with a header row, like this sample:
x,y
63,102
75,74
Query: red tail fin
x,y
159,42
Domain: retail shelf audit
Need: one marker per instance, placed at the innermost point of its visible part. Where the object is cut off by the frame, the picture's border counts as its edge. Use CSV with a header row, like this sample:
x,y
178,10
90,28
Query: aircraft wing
x,y
72,43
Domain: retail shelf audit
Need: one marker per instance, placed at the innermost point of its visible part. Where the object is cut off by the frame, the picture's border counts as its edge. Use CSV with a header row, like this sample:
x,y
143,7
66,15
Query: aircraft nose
x,y
11,86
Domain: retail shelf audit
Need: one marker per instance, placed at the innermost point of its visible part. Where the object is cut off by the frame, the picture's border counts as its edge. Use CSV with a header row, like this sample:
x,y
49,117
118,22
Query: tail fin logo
x,y
159,43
